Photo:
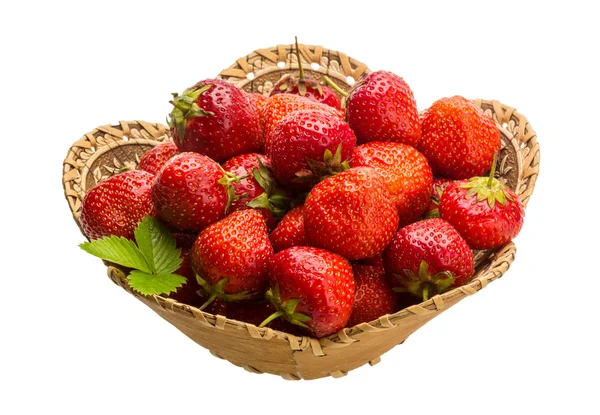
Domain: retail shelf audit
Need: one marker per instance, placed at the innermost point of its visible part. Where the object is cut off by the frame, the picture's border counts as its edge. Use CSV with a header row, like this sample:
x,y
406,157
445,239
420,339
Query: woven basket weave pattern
x,y
105,150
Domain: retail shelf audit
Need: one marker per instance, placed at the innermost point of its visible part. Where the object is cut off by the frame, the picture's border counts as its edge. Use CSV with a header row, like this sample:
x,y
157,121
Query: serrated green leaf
x,y
148,284
158,246
118,250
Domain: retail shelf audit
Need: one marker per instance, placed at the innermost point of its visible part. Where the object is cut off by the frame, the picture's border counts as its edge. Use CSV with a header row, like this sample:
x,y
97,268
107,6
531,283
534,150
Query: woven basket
x,y
105,150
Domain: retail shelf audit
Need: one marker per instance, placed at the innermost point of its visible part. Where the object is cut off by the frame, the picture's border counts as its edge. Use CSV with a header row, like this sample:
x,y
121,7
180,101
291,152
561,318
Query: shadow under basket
x,y
105,150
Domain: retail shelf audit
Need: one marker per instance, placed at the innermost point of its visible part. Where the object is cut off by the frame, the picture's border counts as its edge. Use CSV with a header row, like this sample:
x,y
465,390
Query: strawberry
x,y
312,288
290,230
484,211
192,191
351,214
230,257
153,159
116,205
438,186
373,297
458,139
404,170
216,119
258,189
280,105
303,147
381,107
427,258
307,87
257,100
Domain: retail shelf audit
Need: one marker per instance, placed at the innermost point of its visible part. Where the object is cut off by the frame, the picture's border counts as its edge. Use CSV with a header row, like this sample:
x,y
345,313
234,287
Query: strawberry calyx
x,y
317,171
217,290
273,198
226,181
424,285
487,188
185,107
285,309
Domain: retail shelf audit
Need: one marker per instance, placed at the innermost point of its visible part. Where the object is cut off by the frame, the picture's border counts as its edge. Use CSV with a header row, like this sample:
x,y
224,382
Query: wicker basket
x,y
105,150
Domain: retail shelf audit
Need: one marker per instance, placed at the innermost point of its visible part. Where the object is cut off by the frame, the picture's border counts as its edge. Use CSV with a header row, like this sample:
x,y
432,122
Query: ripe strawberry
x,y
280,105
404,170
153,159
192,191
382,107
303,147
116,205
290,230
216,119
351,214
188,293
307,87
257,100
230,257
428,257
258,190
458,139
439,185
312,288
483,210
373,297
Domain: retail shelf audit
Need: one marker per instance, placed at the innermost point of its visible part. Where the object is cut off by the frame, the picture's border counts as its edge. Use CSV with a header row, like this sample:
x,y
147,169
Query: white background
x,y
74,343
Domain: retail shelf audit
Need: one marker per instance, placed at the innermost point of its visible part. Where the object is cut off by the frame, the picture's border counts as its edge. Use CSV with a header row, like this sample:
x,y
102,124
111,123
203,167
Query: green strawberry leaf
x,y
157,246
154,259
119,250
149,284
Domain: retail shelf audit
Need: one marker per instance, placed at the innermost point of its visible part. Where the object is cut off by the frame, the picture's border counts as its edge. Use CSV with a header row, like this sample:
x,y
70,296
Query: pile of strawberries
x,y
309,212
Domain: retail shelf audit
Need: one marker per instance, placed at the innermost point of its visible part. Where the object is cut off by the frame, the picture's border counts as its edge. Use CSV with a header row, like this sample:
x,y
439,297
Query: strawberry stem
x,y
300,69
271,318
425,292
335,86
207,302
493,170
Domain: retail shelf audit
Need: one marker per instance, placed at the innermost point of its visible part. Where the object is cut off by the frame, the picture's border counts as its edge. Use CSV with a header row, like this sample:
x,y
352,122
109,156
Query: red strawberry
x,y
458,139
428,257
304,144
258,190
257,100
373,298
382,107
191,192
307,87
153,159
351,214
404,170
231,256
484,211
312,288
116,205
216,119
290,231
439,185
280,105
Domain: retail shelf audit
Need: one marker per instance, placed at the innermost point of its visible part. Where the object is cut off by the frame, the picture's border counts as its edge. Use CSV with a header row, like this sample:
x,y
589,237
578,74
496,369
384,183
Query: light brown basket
x,y
105,150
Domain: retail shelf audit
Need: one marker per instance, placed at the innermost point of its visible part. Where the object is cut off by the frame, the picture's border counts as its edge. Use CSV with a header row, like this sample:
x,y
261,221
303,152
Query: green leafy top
x,y
185,107
154,258
488,188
